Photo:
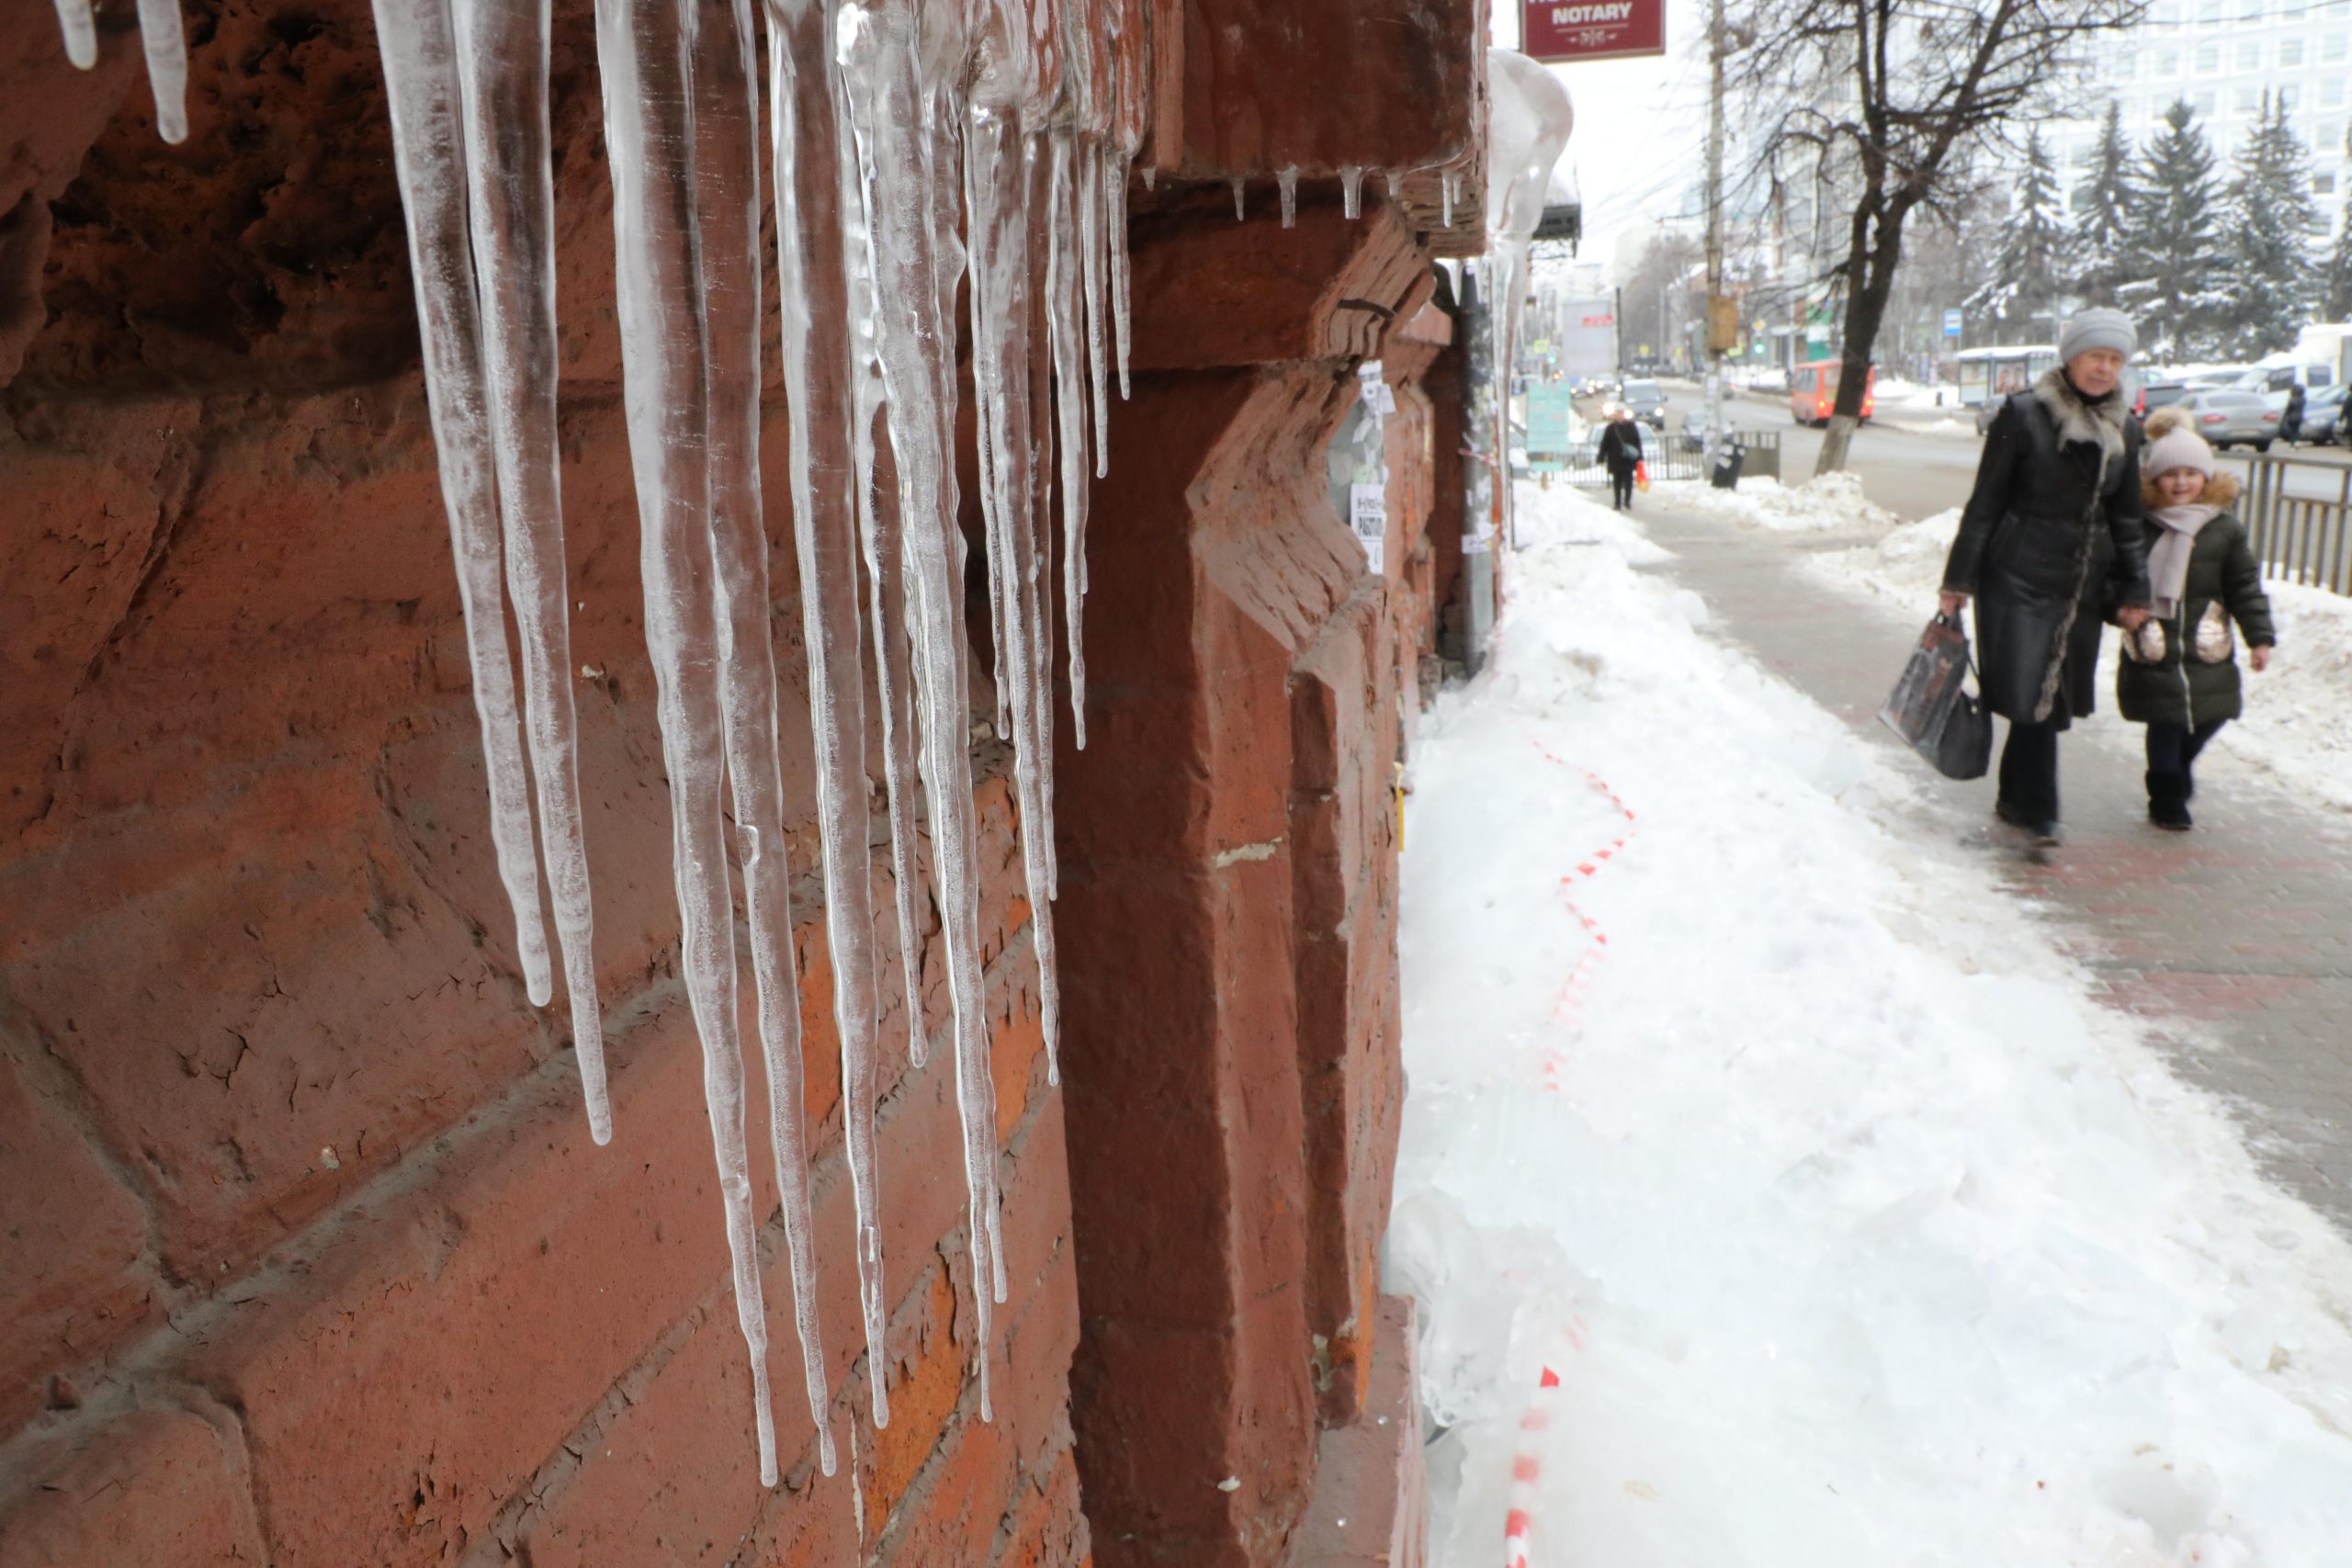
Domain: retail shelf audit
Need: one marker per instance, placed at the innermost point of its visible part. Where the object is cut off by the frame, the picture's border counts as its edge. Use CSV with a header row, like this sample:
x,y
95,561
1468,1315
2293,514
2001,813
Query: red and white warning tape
x,y
1576,990
1527,1462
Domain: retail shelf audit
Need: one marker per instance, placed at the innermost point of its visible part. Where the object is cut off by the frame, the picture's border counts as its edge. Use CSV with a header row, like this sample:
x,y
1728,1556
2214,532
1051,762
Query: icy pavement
x,y
1854,1230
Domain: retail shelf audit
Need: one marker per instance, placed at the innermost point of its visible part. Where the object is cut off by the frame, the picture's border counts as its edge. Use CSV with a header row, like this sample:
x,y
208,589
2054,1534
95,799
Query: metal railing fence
x,y
2297,511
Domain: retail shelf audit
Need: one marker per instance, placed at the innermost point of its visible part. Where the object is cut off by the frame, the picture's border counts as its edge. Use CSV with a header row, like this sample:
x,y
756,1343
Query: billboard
x,y
1556,30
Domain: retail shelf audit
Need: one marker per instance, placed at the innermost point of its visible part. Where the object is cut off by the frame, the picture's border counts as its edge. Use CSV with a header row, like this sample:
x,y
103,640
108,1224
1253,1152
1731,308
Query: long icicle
x,y
429,155
1093,232
812,276
728,137
1062,306
642,47
503,71
1000,298
165,45
877,52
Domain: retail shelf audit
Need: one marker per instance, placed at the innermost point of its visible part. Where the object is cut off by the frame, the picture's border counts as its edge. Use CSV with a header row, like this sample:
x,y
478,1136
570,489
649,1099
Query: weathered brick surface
x,y
1370,1507
71,1245
153,1487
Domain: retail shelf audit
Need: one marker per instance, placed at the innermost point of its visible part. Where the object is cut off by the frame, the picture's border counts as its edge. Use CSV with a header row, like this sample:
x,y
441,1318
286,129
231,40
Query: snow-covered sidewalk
x,y
1746,1102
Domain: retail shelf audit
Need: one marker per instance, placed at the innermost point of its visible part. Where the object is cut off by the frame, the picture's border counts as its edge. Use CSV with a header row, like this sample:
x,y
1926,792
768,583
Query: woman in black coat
x,y
1620,454
2051,541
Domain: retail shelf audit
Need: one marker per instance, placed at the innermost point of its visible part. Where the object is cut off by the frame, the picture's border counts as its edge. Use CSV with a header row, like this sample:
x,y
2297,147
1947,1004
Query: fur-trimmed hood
x,y
2080,422
2221,490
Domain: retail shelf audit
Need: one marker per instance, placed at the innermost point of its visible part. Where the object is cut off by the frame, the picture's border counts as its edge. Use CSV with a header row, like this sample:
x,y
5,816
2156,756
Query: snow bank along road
x,y
1853,1230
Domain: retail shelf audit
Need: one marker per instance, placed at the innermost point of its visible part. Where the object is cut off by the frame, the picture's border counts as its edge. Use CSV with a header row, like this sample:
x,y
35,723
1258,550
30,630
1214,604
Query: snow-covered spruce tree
x,y
2336,286
2270,219
2026,273
2098,247
2178,270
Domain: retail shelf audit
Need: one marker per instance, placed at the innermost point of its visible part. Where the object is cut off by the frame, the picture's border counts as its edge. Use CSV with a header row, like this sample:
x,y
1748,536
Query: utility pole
x,y
1715,48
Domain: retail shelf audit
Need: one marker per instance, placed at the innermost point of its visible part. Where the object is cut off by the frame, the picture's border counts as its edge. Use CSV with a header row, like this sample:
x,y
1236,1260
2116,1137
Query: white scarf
x,y
2168,562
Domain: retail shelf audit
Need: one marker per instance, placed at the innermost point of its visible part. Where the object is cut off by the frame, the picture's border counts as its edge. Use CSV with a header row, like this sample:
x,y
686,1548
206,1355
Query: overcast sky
x,y
1641,126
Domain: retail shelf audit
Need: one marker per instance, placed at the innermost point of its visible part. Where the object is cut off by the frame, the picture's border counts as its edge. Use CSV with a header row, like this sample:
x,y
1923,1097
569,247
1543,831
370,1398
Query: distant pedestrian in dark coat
x,y
2290,422
2050,542
2179,673
1620,454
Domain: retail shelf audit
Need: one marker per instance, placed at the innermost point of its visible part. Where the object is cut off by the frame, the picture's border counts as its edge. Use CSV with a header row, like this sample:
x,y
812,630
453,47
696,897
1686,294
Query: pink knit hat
x,y
2172,444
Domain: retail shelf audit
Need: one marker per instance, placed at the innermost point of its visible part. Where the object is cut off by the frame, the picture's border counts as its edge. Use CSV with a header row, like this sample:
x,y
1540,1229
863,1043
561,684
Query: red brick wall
x,y
306,1256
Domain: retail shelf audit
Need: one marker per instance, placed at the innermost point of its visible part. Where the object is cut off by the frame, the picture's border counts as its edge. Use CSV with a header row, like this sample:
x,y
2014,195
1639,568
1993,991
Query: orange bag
x,y
1642,475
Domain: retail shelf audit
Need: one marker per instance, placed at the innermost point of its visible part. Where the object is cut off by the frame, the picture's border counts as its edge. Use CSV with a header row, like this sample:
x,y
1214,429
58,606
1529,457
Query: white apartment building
x,y
2220,56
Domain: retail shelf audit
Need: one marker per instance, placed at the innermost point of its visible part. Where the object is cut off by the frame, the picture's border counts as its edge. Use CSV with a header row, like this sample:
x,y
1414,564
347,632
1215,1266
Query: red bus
x,y
1812,391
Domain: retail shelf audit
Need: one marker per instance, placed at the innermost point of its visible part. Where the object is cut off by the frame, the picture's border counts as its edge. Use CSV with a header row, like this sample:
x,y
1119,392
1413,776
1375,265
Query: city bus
x,y
1812,391
1989,375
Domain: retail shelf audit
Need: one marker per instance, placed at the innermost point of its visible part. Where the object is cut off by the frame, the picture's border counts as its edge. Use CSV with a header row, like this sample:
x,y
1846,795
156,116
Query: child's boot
x,y
2168,801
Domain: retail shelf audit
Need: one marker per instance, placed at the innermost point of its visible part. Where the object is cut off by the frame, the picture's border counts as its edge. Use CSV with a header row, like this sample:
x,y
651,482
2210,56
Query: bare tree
x,y
1887,100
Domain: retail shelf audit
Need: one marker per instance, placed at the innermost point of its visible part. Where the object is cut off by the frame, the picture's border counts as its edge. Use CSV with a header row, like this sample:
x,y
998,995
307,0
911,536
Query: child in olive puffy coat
x,y
2179,673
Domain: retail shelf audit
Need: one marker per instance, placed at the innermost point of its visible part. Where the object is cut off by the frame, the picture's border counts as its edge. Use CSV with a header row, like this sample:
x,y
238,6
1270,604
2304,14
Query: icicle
x,y
421,87
1062,308
81,30
502,72
877,55
1445,185
667,364
1238,186
1000,311
1288,182
818,224
167,49
811,286
1122,277
1351,192
1092,235
1128,91
1395,180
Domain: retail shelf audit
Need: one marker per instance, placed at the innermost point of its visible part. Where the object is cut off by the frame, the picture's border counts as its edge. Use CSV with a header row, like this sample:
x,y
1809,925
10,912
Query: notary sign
x,y
1554,30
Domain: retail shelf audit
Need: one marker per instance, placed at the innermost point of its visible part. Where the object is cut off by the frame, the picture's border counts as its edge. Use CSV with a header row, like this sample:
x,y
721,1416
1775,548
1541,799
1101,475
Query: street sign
x,y
1549,425
1952,323
1552,31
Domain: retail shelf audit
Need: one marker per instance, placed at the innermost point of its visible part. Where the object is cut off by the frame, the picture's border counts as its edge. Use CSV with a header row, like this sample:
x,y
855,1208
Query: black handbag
x,y
1934,711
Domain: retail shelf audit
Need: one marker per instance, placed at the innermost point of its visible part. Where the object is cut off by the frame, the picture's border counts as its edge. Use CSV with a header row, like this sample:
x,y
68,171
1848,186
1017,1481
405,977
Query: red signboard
x,y
1555,30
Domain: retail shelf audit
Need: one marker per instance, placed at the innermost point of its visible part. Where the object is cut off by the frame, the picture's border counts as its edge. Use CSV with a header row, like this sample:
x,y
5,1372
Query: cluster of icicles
x,y
913,143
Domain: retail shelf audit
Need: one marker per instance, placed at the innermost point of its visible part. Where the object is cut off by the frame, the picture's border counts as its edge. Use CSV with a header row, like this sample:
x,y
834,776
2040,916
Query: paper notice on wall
x,y
1368,516
1378,395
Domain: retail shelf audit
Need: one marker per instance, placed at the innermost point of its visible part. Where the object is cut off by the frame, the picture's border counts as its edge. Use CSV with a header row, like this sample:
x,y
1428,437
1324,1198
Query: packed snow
x,y
1743,1100
2298,723
1828,503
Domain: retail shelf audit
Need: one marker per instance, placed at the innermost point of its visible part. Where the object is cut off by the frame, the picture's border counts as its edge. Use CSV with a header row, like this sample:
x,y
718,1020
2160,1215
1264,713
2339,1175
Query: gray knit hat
x,y
2100,328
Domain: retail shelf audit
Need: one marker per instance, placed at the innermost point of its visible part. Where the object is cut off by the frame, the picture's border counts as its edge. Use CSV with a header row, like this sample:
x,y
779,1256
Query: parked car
x,y
2154,395
2233,419
2324,419
1646,400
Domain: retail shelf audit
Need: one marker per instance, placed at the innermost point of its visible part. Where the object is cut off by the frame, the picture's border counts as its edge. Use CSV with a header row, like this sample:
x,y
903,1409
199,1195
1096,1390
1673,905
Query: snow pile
x,y
1827,502
2298,723
1856,1235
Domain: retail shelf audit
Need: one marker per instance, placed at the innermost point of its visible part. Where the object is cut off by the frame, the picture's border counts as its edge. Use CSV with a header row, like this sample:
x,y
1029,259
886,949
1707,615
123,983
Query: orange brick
x,y
925,1388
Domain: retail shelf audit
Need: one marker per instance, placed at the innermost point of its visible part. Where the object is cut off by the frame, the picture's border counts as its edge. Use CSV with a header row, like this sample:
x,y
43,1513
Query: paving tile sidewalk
x,y
2235,940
